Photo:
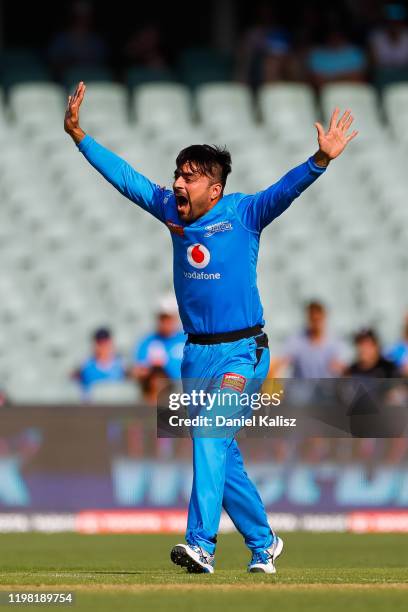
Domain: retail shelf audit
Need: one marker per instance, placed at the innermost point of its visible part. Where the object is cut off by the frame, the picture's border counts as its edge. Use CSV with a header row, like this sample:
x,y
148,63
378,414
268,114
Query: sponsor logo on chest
x,y
221,226
198,255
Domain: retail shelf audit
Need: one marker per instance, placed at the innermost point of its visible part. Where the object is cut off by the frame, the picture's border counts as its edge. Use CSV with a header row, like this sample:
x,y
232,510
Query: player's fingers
x,y
77,90
348,123
81,93
352,135
333,118
343,118
320,129
74,95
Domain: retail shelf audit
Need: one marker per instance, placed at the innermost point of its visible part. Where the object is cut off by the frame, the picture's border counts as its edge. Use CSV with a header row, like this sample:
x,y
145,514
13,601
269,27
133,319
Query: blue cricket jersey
x,y
215,257
166,351
92,372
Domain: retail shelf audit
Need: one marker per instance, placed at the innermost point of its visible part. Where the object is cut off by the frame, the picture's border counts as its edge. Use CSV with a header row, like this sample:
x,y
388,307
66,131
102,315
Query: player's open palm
x,y
334,141
71,121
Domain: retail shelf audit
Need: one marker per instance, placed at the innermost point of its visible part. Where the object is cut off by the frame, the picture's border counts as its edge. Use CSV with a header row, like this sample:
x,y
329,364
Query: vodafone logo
x,y
198,255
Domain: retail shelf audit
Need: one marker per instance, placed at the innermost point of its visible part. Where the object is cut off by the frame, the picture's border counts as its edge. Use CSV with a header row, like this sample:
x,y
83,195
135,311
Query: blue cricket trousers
x,y
219,477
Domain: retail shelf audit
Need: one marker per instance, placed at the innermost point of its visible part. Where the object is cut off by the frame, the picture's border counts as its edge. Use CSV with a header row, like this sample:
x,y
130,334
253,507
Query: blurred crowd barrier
x,y
66,467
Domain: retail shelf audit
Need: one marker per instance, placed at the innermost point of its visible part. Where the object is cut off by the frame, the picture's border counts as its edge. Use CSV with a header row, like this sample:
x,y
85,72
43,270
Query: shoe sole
x,y
258,570
180,557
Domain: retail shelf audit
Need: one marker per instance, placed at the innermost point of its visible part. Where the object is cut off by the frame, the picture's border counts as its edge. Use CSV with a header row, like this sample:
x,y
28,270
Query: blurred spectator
x,y
104,364
369,361
265,53
163,347
156,387
398,353
3,398
155,381
388,46
78,44
313,353
336,60
145,48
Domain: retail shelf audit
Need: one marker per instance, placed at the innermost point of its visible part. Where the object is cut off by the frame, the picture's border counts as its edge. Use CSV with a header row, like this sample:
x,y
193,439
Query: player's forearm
x,y
112,167
120,174
268,204
295,182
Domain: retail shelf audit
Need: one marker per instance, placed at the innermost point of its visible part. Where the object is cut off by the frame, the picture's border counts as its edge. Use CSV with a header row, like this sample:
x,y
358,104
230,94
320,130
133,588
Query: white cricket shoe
x,y
265,561
194,558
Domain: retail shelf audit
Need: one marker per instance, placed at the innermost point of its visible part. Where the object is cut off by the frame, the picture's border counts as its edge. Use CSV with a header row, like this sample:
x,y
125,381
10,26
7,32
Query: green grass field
x,y
327,572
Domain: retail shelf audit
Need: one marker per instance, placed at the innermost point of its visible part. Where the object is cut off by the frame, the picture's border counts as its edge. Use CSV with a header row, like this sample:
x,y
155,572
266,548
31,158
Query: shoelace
x,y
205,557
261,557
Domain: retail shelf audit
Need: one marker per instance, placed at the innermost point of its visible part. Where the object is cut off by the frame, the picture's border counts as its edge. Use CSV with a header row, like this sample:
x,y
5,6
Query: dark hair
x,y
102,333
154,372
366,333
315,305
212,161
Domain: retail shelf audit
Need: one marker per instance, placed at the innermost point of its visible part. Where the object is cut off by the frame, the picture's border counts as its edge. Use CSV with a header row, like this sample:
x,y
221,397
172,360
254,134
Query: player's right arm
x,y
113,168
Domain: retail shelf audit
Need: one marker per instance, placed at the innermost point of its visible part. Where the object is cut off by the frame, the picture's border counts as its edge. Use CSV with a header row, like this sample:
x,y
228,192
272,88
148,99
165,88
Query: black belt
x,y
232,336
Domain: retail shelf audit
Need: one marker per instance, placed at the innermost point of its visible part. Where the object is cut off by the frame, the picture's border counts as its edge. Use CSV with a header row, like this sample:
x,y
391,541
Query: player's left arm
x,y
259,210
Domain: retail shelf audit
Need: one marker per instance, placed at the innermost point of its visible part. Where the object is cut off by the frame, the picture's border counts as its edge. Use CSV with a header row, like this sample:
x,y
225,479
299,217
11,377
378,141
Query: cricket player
x,y
215,241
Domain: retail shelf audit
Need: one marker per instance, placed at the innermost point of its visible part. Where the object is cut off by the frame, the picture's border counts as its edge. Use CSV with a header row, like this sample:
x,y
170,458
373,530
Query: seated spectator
x,y
314,352
265,53
388,45
164,347
369,361
78,44
104,364
336,60
155,382
145,48
398,353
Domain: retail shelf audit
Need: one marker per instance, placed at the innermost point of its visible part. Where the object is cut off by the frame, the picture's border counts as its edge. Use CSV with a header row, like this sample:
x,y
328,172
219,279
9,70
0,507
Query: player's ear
x,y
216,190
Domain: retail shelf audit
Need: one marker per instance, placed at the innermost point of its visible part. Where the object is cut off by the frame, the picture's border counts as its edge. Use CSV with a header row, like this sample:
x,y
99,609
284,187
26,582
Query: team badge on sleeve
x,y
233,381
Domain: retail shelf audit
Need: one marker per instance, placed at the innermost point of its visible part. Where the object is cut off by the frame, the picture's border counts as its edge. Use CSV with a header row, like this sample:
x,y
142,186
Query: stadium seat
x,y
32,104
174,138
221,104
105,104
288,109
361,99
395,101
49,96
39,391
159,106
115,393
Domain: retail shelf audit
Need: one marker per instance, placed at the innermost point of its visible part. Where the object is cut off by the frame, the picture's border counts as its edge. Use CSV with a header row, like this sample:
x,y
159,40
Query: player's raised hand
x,y
71,122
334,141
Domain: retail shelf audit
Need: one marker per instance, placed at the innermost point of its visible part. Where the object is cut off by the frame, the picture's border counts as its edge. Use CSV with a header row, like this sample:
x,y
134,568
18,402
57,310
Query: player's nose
x,y
179,182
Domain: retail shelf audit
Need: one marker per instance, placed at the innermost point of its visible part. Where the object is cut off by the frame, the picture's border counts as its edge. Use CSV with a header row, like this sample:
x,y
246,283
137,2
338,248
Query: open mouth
x,y
181,200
